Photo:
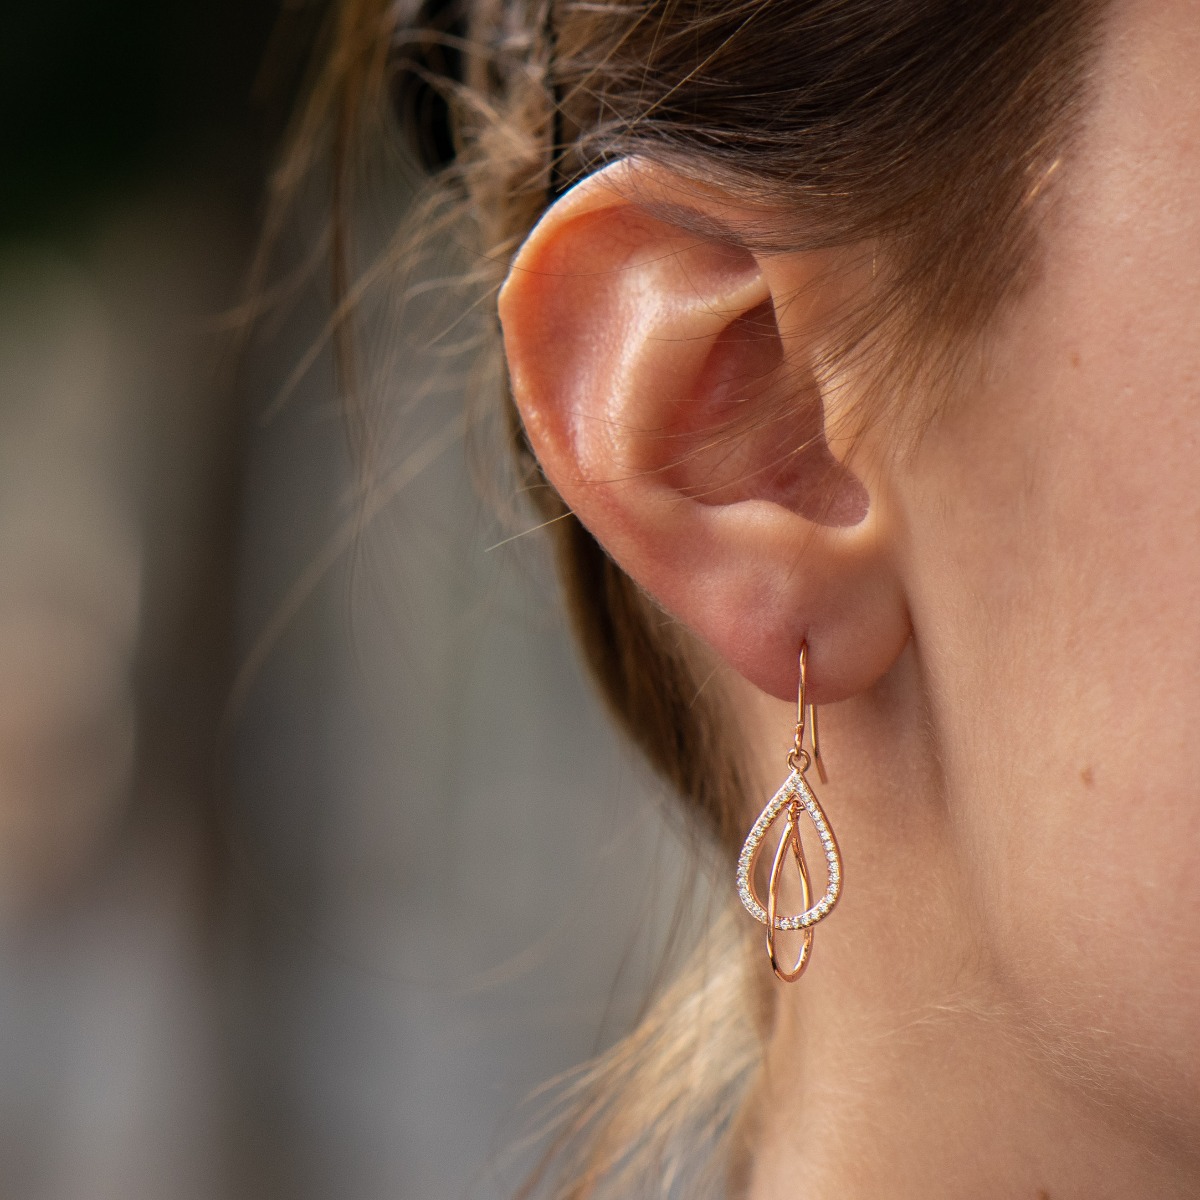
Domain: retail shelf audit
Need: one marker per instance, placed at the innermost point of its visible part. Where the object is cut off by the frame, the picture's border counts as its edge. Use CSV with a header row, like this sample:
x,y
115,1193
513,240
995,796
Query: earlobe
x,y
667,377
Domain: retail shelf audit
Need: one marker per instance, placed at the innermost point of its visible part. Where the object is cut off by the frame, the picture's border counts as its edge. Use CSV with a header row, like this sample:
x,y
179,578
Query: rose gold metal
x,y
818,761
806,720
789,840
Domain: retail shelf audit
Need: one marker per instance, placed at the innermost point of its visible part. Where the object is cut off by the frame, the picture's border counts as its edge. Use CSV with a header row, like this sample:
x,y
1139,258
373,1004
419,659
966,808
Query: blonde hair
x,y
924,129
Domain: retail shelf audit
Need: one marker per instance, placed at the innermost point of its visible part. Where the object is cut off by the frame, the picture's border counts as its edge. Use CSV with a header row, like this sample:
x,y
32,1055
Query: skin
x,y
1006,1002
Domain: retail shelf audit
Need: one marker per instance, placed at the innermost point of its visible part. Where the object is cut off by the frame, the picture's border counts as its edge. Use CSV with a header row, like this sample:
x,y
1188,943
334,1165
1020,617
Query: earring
x,y
792,800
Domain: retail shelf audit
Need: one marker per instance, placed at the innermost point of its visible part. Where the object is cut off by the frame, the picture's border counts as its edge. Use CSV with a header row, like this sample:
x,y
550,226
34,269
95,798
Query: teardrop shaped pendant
x,y
794,799
790,802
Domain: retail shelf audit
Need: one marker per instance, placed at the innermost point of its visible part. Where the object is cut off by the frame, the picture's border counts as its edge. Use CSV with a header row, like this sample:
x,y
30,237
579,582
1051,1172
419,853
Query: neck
x,y
900,1065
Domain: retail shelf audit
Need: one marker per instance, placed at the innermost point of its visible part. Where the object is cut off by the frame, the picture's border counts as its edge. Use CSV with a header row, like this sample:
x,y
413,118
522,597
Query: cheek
x,y
1056,594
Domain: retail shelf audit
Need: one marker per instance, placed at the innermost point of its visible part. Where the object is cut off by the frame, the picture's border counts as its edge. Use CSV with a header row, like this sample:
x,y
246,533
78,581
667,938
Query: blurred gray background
x,y
317,856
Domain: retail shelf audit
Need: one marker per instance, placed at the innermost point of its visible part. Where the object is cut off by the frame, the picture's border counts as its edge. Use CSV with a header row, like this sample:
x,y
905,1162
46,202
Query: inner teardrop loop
x,y
789,842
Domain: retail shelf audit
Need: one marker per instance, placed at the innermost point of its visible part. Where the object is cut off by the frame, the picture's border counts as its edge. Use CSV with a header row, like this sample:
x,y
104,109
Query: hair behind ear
x,y
645,665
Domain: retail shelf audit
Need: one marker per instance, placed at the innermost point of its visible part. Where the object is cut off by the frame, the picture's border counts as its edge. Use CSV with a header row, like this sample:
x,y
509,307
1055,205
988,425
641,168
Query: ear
x,y
669,381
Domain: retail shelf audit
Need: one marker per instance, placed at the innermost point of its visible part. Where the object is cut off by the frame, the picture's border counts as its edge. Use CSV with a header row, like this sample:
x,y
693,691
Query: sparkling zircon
x,y
795,788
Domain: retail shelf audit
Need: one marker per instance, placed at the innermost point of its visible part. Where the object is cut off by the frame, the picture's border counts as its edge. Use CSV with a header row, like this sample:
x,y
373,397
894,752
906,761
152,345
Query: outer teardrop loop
x,y
795,790
790,841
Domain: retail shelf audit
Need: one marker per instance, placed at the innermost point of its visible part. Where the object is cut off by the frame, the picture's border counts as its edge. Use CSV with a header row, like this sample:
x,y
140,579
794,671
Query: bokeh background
x,y
317,856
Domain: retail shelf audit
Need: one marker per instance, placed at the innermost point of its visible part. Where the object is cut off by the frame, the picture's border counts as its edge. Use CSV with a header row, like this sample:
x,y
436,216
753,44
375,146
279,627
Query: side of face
x,y
1052,568
1042,545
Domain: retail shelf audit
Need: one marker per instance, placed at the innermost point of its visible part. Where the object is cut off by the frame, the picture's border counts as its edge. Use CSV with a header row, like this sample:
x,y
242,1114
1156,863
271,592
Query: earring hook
x,y
799,758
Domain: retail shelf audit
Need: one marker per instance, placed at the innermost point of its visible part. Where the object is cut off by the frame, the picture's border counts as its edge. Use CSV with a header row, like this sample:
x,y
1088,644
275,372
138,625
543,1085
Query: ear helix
x,y
793,800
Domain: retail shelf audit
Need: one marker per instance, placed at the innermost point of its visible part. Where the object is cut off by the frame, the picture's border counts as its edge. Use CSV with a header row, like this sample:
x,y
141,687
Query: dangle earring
x,y
792,800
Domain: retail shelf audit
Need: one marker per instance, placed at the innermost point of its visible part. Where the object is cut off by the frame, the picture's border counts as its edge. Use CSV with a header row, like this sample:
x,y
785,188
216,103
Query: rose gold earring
x,y
793,798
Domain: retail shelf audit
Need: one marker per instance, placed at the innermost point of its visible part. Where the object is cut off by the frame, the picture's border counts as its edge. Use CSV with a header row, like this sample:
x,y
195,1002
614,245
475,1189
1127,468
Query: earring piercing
x,y
793,798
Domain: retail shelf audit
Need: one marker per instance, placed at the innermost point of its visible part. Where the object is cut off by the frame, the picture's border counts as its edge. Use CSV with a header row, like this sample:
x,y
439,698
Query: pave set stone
x,y
795,789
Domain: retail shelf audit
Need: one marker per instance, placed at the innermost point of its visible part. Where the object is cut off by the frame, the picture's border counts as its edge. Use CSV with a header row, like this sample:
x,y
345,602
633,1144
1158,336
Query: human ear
x,y
669,382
